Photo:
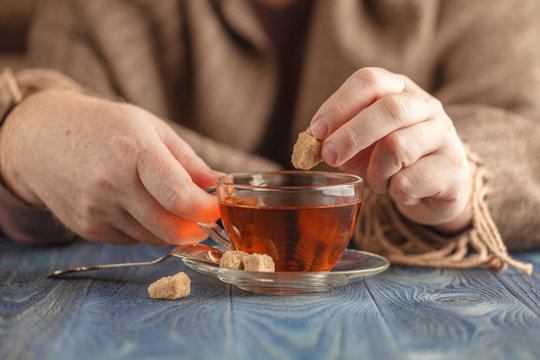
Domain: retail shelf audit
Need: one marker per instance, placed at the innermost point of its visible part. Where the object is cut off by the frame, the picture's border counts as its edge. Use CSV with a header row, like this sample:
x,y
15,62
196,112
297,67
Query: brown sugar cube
x,y
239,260
170,287
233,260
306,152
259,262
269,248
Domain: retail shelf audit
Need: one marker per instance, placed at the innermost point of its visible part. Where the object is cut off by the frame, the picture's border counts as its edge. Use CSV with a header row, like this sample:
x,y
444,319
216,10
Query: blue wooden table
x,y
403,313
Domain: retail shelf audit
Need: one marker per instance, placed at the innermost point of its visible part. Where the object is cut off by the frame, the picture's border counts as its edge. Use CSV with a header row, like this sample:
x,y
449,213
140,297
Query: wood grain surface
x,y
403,313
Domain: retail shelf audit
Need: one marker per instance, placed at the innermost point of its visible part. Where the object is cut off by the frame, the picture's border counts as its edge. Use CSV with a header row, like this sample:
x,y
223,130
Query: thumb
x,y
172,185
201,174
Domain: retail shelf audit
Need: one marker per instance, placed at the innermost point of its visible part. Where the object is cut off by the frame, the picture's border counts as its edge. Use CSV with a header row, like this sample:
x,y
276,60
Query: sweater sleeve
x,y
490,86
27,225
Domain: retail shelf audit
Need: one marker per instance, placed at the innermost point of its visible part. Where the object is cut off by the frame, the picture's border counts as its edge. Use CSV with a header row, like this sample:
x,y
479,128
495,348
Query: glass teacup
x,y
303,219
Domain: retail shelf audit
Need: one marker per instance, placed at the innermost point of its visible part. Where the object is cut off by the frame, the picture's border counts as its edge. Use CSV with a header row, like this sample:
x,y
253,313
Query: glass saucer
x,y
354,265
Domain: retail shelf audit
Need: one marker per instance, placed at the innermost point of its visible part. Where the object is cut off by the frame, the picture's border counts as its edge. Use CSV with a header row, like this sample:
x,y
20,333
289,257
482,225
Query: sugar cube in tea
x,y
258,262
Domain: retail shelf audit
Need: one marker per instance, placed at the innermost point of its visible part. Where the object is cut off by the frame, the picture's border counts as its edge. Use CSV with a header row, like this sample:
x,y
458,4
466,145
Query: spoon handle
x,y
58,273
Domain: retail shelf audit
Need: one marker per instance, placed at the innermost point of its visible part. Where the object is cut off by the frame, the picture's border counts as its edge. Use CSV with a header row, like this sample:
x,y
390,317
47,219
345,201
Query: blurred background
x,y
15,18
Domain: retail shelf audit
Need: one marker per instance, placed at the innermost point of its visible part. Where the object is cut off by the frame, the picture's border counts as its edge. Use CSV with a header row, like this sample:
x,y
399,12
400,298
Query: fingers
x,y
369,105
432,177
374,123
164,177
401,149
361,89
132,228
116,225
438,196
111,236
157,220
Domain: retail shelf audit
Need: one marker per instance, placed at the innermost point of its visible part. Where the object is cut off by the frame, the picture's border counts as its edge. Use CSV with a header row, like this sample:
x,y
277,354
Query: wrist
x,y
12,134
457,225
463,220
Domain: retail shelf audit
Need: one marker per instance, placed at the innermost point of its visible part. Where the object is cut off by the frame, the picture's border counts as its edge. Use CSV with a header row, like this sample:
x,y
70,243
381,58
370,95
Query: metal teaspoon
x,y
190,251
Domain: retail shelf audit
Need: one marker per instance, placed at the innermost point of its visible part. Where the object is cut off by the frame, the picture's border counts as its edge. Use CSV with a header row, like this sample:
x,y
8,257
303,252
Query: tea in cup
x,y
303,219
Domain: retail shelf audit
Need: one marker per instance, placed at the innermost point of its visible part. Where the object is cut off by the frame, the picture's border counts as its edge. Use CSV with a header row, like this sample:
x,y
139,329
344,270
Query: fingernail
x,y
329,153
319,128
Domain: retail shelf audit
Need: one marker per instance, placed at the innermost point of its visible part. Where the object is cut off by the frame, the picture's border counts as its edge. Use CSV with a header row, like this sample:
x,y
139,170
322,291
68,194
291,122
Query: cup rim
x,y
357,180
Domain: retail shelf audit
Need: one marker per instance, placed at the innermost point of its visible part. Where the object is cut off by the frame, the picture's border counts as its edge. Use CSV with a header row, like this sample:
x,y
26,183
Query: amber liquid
x,y
297,238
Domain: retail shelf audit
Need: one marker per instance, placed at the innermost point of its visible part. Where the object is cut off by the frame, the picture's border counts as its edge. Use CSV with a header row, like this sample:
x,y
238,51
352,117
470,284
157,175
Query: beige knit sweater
x,y
207,67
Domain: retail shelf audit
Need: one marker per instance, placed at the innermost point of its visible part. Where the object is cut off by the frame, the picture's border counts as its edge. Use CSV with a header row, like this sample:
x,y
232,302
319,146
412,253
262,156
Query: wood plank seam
x,y
387,331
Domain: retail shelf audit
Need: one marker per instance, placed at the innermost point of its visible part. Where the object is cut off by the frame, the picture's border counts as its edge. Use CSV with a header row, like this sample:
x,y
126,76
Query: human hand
x,y
385,128
109,172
